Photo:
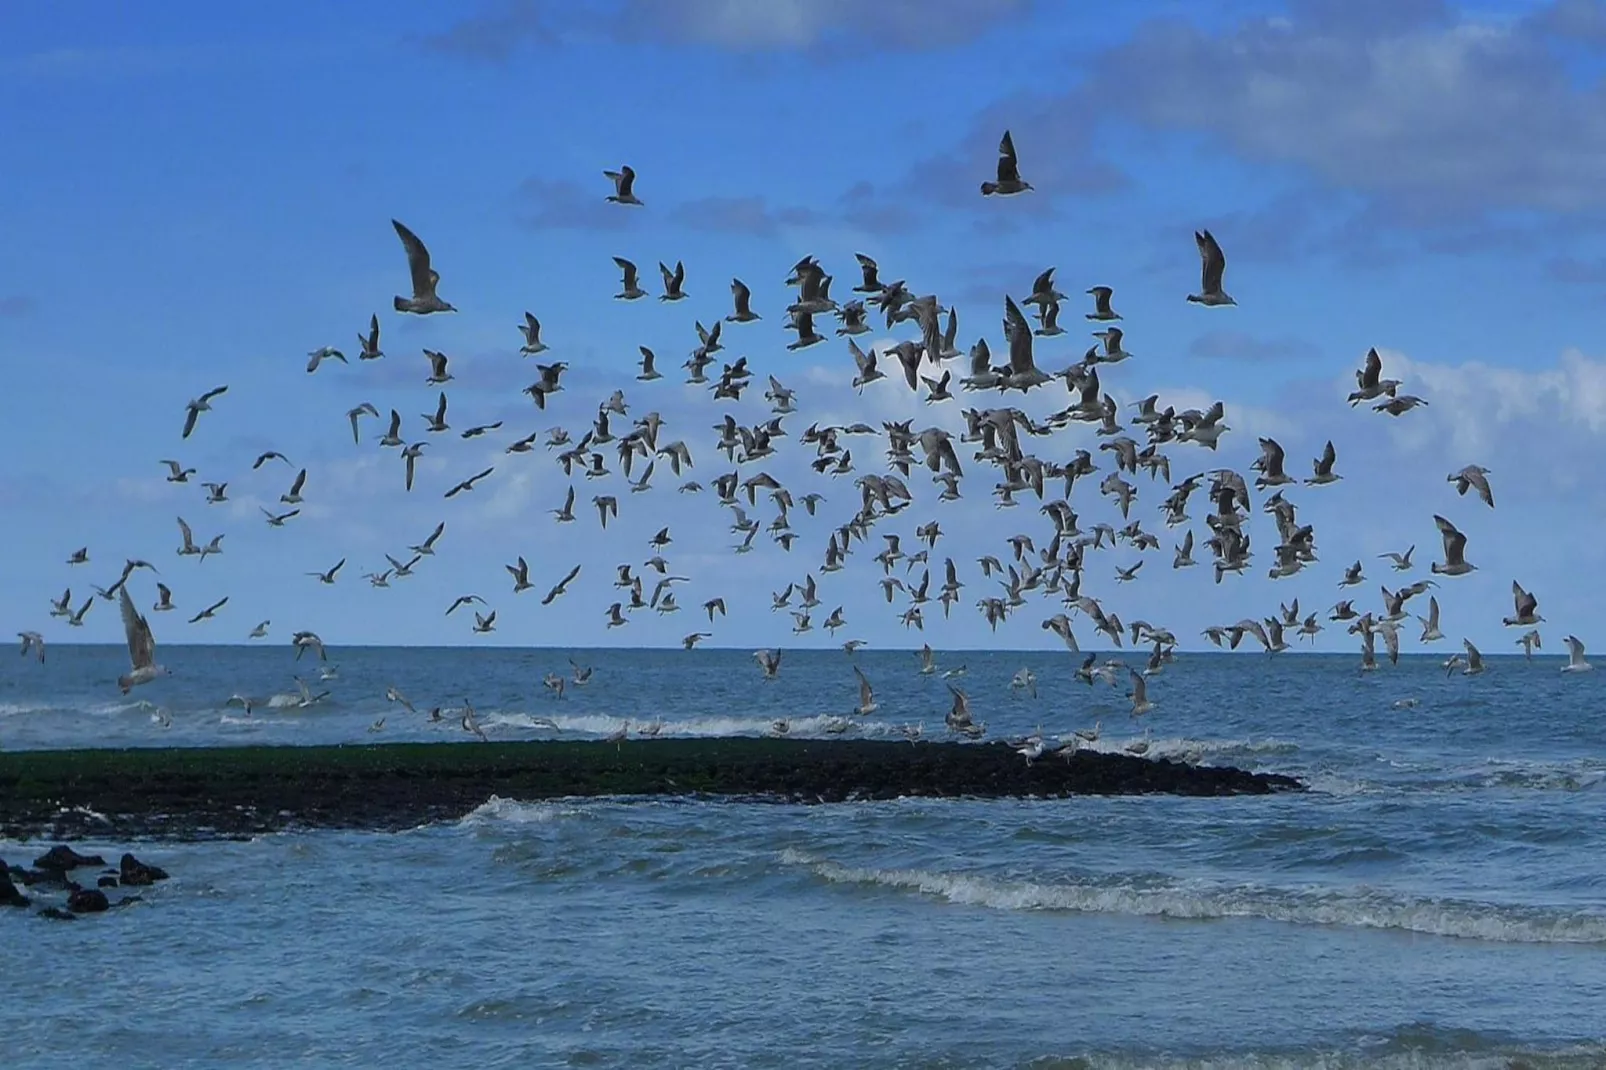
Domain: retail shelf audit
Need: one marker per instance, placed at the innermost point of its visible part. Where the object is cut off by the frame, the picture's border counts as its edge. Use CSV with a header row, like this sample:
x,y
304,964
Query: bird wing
x,y
417,260
1008,163
141,646
1213,261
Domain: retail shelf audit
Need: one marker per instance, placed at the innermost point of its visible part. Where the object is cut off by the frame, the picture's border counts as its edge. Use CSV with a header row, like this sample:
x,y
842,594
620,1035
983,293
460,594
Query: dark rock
x,y
10,896
129,900
244,791
57,914
106,882
137,873
87,901
61,858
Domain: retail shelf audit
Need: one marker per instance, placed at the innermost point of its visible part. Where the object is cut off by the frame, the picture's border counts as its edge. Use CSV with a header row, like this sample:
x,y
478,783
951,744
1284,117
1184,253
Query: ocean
x,y
1437,899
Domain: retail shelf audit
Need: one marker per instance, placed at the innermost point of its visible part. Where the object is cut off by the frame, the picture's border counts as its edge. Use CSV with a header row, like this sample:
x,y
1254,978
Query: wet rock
x,y
10,895
106,882
87,901
138,874
61,858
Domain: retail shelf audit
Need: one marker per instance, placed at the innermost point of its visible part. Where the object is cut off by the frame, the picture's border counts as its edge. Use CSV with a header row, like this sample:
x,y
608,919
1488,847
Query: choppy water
x,y
1438,901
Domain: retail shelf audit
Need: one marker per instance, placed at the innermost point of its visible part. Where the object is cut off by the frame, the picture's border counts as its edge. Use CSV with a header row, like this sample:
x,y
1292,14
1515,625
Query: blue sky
x,y
201,198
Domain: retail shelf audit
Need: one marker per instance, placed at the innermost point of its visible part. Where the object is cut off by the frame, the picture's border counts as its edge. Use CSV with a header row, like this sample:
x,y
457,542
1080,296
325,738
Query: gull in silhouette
x,y
141,648
1213,264
624,186
425,278
1008,179
199,405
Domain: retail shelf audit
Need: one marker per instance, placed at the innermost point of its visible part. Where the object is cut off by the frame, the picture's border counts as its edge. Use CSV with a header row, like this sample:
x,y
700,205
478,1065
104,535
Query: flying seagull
x,y
1213,263
1009,180
624,185
425,278
1473,477
370,341
198,406
141,648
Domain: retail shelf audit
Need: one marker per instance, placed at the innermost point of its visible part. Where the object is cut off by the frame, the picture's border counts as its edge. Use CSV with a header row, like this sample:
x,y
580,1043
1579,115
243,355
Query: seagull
x,y
425,279
1575,656
1473,476
1101,304
867,703
365,409
1008,178
141,648
471,723
521,576
1323,466
277,519
79,556
271,455
410,455
1140,694
624,184
464,600
329,577
305,641
370,341
1474,659
1214,264
632,281
427,547
561,587
1402,562
1529,640
293,497
206,614
648,371
532,336
216,493
673,281
742,298
1430,623
483,625
1527,608
438,372
321,354
198,406
769,662
468,484
178,473
1455,548
32,641
164,599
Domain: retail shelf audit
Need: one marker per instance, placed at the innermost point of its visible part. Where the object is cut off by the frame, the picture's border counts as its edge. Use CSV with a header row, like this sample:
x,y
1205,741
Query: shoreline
x,y
234,792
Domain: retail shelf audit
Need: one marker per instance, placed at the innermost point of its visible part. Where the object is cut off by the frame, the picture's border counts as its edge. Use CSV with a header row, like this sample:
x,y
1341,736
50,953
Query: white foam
x,y
514,812
1359,909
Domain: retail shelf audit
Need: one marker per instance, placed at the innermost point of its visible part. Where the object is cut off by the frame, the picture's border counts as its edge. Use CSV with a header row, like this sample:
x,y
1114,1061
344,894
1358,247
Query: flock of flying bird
x,y
1002,435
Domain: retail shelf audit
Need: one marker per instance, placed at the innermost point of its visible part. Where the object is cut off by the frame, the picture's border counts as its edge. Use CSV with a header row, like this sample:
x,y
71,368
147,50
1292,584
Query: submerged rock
x,y
10,894
87,901
133,872
61,859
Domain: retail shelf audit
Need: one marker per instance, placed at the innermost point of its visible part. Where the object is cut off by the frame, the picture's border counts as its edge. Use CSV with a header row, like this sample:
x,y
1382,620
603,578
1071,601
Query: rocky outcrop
x,y
250,790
